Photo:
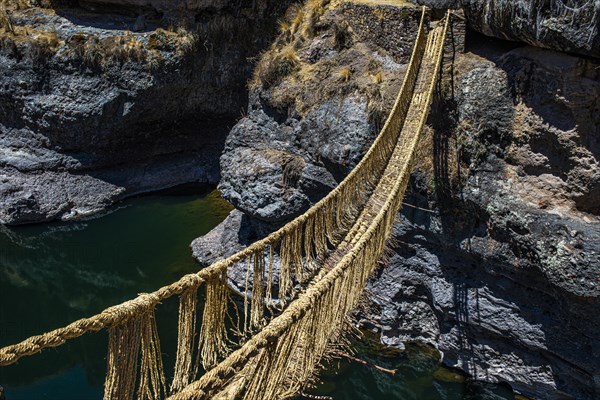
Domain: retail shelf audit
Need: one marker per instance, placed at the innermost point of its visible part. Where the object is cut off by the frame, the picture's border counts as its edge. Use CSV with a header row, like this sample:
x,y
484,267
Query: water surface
x,y
53,274
417,375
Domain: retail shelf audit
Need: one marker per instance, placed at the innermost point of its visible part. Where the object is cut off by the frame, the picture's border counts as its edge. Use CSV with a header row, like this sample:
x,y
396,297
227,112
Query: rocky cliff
x,y
564,25
503,273
497,263
498,256
279,159
99,102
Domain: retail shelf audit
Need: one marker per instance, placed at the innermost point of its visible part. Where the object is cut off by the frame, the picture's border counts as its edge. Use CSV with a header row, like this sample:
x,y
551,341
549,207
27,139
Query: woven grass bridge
x,y
301,281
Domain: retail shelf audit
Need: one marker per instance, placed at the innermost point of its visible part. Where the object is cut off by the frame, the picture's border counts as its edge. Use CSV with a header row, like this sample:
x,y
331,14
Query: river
x,y
52,274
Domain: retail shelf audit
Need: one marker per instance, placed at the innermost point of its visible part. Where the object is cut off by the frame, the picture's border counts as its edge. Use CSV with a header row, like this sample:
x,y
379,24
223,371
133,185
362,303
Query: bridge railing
x,y
279,360
292,252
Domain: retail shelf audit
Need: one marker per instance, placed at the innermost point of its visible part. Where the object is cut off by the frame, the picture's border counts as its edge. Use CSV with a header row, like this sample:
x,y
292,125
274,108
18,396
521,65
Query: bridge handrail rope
x,y
283,337
134,346
122,312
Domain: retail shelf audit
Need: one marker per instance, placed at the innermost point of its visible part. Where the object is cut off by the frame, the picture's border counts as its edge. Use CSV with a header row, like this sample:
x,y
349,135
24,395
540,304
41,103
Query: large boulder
x,y
91,112
569,25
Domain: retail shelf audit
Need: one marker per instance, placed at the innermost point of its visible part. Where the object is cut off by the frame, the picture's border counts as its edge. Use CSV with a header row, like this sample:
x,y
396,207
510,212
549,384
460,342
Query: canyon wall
x,y
99,104
565,25
498,257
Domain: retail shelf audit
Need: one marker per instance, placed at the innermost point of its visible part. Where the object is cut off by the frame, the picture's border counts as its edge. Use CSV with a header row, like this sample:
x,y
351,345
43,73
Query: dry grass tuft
x,y
26,42
345,74
379,14
274,66
118,49
300,75
41,46
181,41
313,11
84,47
378,77
300,23
284,27
15,5
297,18
94,51
6,22
303,20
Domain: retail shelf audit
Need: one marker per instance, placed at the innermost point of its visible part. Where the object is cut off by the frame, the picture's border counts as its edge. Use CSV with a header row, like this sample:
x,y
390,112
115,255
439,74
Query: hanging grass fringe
x,y
287,350
345,234
184,366
152,377
122,360
258,290
126,341
213,334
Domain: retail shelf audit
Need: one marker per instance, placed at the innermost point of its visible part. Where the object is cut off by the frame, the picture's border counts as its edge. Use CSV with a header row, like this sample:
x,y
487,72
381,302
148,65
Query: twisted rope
x,y
273,346
361,208
374,159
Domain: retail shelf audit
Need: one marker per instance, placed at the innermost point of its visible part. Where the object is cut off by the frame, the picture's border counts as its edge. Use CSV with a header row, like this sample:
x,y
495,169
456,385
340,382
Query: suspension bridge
x,y
302,281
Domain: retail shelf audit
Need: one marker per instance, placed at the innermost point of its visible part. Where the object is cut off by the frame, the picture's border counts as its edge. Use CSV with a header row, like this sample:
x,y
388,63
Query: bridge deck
x,y
343,235
395,176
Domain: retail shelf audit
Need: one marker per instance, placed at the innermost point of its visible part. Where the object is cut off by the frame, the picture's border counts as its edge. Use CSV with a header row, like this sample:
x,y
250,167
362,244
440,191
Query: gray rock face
x,y
76,135
558,121
46,196
273,171
503,275
570,25
550,134
560,25
501,305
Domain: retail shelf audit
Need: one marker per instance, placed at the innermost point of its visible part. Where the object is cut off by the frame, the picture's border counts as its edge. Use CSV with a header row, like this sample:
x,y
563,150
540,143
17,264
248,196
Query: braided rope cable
x,y
123,312
219,377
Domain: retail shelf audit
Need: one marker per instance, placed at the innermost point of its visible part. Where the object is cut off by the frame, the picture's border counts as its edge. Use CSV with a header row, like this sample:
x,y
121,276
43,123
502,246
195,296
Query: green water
x,y
53,274
417,375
